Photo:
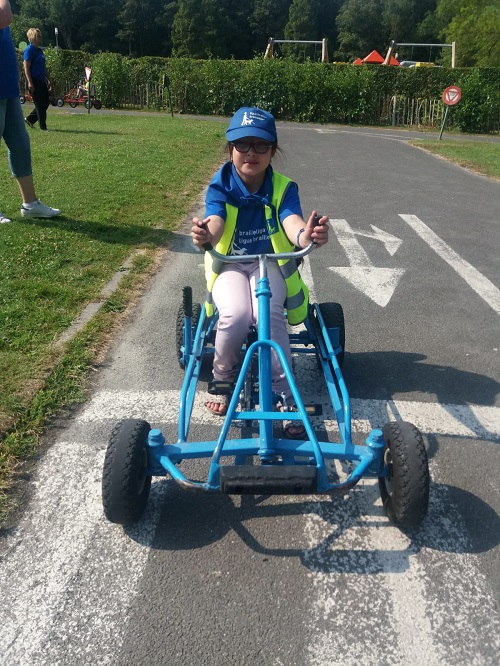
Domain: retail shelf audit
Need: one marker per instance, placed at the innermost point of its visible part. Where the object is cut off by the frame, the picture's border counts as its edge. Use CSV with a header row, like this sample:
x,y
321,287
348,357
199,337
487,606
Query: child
x,y
251,209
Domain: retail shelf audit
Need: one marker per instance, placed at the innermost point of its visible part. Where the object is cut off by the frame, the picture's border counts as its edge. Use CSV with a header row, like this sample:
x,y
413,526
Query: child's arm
x,y
301,234
209,230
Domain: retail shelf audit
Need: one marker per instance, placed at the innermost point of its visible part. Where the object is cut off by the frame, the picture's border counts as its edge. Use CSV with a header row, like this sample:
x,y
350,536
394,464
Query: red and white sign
x,y
88,73
452,95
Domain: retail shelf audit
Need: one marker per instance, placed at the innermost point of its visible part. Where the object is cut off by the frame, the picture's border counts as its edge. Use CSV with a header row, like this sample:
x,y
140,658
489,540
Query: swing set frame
x,y
270,46
393,44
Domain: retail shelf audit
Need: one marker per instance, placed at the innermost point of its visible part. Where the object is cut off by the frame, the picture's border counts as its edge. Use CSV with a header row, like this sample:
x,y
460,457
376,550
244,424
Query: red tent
x,y
374,58
393,61
358,61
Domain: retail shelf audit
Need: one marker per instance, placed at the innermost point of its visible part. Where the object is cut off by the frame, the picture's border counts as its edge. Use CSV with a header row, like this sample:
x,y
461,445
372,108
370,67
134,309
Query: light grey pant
x,y
234,296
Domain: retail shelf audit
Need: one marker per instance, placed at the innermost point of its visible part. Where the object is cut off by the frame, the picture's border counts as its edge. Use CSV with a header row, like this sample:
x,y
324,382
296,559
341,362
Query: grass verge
x,y
123,183
479,156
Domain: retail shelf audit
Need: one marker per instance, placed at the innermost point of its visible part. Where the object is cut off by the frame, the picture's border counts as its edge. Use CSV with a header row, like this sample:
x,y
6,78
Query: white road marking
x,y
480,284
364,570
52,577
475,421
391,243
376,283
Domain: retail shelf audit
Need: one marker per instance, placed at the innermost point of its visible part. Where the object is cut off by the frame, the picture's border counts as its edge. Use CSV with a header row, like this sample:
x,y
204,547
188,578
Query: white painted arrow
x,y
391,242
376,283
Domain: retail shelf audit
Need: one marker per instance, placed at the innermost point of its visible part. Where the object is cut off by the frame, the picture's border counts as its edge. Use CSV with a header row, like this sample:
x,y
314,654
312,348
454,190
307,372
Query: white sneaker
x,y
3,219
39,209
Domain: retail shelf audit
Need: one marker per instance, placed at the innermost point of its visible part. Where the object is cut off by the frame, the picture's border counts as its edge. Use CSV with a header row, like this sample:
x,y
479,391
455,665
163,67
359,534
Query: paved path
x,y
294,581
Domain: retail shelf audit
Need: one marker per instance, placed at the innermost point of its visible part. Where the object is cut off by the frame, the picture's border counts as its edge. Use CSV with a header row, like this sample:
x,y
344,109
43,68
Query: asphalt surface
x,y
294,581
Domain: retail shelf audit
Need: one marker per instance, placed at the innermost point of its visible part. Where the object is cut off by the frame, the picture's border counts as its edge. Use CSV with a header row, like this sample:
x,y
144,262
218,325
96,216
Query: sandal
x,y
292,429
219,402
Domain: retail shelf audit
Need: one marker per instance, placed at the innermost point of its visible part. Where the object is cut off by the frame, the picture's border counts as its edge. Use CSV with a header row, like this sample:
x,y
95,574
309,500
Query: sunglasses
x,y
260,147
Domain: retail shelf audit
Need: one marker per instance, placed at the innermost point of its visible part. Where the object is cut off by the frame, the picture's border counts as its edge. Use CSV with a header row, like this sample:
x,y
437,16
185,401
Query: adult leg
x,y
18,142
32,117
3,109
41,100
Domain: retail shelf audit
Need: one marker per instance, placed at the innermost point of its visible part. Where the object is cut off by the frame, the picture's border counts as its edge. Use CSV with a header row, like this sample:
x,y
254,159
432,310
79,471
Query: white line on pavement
x,y
480,284
474,421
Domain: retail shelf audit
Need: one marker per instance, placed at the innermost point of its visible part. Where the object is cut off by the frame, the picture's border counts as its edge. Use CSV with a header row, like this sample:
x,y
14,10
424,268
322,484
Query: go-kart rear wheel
x,y
22,99
179,329
97,104
60,102
125,482
405,491
73,105
333,316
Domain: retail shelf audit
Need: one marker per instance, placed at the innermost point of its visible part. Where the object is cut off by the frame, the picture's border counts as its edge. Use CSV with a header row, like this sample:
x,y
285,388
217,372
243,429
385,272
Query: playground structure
x,y
270,46
393,44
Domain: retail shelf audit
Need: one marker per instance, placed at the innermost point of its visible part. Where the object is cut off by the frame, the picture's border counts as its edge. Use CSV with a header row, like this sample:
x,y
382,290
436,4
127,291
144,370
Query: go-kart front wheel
x,y
125,482
405,489
73,105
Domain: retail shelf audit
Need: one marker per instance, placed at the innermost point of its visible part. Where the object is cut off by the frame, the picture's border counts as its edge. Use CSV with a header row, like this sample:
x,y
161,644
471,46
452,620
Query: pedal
x,y
216,387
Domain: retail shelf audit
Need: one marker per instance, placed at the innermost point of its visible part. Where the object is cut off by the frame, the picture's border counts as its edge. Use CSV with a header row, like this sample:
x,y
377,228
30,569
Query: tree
x,y
187,30
211,28
303,24
475,27
360,28
267,20
141,26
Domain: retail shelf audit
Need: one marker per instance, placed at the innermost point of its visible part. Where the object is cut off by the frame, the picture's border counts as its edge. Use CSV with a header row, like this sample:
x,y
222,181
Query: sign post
x,y
88,74
166,84
451,96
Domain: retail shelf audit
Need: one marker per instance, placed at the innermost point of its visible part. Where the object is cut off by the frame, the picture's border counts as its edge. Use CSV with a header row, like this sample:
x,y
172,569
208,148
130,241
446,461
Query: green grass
x,y
479,156
122,183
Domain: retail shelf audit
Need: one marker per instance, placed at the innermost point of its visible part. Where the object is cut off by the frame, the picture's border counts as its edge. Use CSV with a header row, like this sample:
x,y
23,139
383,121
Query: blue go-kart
x,y
259,463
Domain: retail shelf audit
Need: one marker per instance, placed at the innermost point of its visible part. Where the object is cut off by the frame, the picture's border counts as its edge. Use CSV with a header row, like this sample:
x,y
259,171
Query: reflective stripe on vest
x,y
297,294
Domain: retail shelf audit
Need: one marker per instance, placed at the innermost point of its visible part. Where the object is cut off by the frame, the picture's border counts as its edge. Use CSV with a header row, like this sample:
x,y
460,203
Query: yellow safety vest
x,y
297,293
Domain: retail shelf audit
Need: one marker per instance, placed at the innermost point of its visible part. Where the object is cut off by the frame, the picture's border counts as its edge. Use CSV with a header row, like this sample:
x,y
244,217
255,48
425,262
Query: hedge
x,y
308,92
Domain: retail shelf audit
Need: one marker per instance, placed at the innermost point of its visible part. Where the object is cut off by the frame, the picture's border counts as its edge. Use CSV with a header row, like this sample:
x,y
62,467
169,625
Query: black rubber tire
x,y
22,99
73,105
88,104
97,104
179,328
60,102
333,316
125,484
405,493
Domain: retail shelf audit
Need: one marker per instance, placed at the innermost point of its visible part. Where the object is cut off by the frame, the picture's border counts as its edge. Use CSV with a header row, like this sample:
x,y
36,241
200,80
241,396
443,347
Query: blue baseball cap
x,y
249,121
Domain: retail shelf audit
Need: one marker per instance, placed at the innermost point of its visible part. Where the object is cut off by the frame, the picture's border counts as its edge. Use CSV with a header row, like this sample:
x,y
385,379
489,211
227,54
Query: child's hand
x,y
317,233
200,232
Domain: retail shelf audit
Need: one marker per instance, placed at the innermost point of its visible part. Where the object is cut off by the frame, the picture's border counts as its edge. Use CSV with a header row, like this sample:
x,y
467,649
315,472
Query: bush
x,y
111,75
308,92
